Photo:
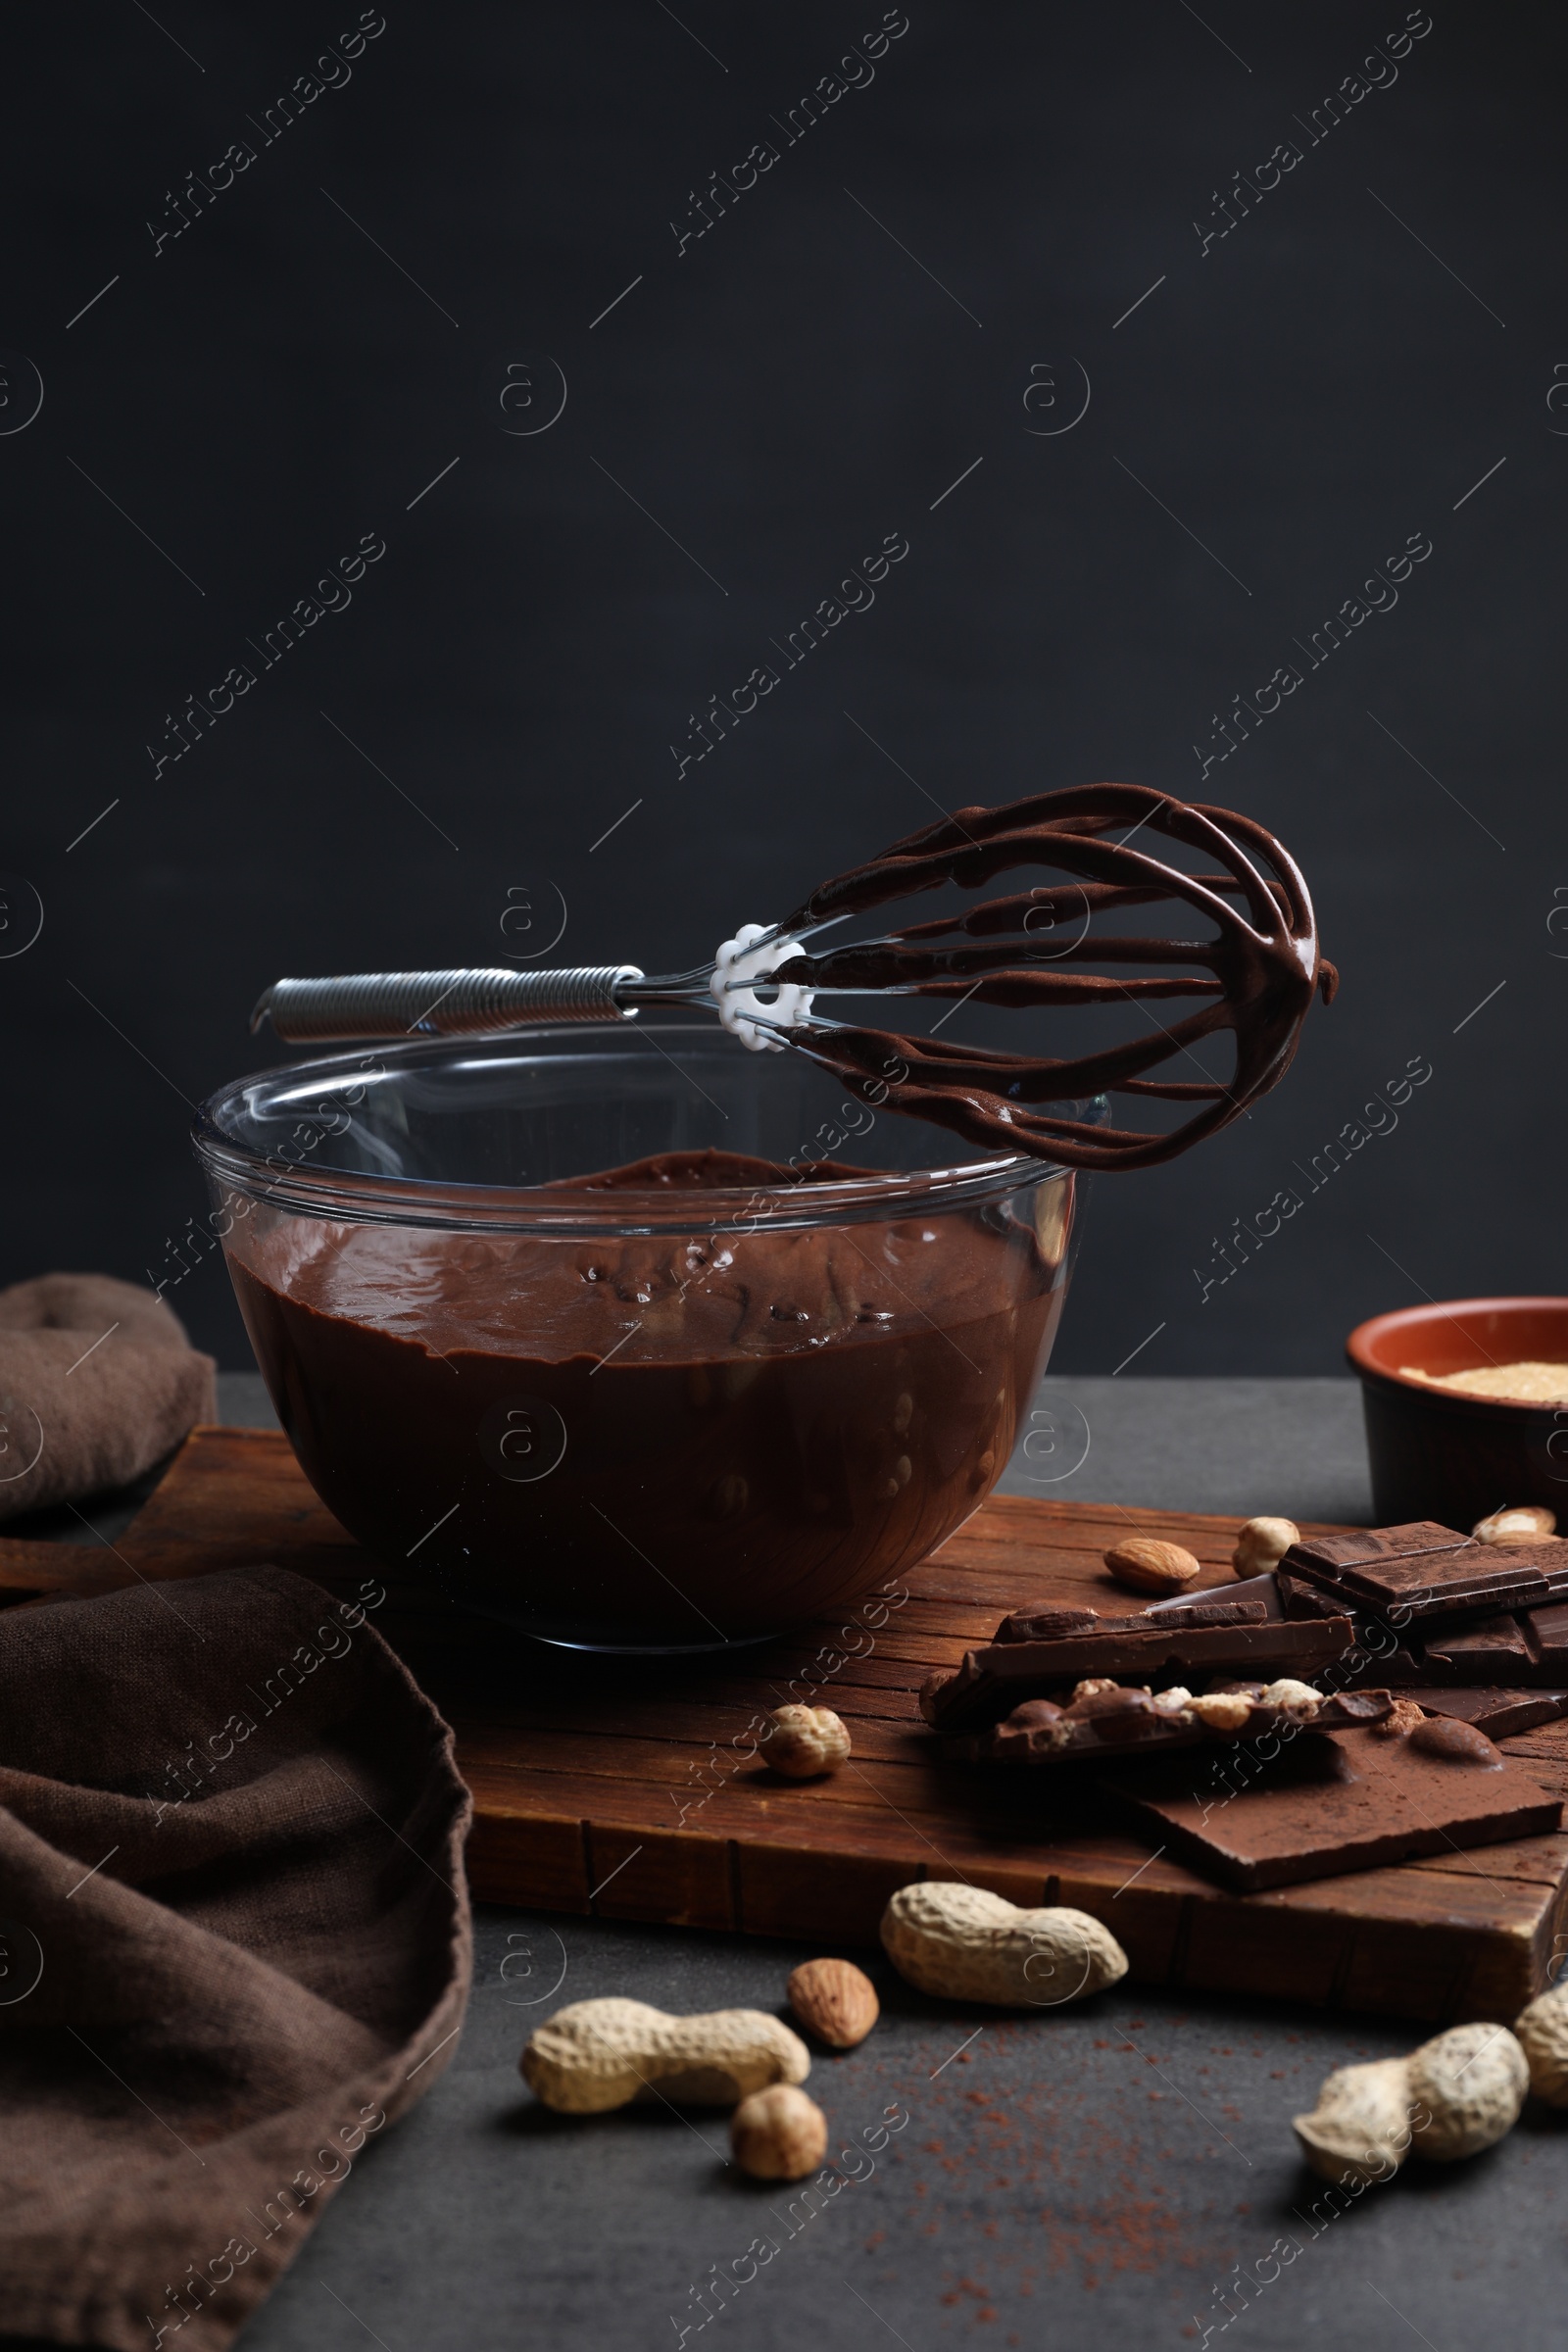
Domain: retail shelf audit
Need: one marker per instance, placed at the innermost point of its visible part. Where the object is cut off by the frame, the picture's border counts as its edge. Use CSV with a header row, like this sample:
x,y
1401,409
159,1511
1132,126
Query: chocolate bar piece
x,y
1510,1649
1049,1620
1333,1802
1188,1613
1548,1636
1044,1621
1479,1645
1442,1583
1424,1570
1116,1722
1298,1599
1374,1543
1264,1588
1156,1648
1500,1714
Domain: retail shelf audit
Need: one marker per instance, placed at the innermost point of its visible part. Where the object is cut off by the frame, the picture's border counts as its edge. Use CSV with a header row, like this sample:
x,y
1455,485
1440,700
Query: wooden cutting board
x,y
625,1790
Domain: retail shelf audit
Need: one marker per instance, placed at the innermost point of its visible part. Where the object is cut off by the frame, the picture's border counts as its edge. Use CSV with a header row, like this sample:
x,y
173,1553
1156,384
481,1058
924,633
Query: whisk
x,y
1256,978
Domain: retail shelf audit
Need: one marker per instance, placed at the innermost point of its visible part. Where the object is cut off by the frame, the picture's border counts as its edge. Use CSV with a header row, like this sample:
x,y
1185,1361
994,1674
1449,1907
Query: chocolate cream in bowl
x,y
674,1440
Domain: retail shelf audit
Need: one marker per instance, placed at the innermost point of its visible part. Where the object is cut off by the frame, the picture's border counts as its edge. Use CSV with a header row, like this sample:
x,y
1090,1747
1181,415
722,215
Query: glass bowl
x,y
673,1406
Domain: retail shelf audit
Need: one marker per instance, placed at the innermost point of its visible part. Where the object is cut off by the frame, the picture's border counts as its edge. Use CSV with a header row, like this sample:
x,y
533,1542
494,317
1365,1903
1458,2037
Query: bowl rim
x,y
341,1196
1358,1351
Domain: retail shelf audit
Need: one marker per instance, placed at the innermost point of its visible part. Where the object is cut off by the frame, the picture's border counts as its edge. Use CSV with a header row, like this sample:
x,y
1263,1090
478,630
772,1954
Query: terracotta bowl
x,y
1438,1454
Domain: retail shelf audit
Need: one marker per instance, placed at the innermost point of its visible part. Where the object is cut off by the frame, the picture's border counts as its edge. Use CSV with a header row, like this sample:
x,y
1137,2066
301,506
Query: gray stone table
x,y
1086,2178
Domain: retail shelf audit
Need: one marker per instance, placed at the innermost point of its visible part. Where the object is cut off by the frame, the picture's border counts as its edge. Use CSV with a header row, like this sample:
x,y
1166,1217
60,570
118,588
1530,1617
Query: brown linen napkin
x,y
234,1937
97,1382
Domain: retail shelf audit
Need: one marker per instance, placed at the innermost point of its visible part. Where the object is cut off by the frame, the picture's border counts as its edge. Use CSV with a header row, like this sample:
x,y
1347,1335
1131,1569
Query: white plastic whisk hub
x,y
741,962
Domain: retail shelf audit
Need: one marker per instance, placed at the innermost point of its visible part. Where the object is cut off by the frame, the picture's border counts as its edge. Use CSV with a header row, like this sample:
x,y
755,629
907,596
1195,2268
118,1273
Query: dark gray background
x,y
1324,382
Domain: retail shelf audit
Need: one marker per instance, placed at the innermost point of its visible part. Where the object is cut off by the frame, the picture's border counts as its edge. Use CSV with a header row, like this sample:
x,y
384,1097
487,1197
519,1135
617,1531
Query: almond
x,y
834,2000
1455,1742
1402,1718
1521,1523
1144,1565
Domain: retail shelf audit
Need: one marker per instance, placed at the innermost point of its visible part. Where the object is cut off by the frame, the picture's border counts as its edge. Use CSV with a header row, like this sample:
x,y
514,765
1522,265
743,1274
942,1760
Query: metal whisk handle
x,y
461,1003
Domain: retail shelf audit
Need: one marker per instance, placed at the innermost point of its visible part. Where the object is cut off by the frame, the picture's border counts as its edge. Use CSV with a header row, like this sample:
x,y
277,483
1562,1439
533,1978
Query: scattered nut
x,y
1452,2097
1361,2123
1143,1565
1457,1741
778,2134
804,1742
1095,1687
1296,1699
834,2000
1541,2031
595,2055
969,1945
1472,2082
1521,1523
1172,1701
1222,1710
1262,1543
1402,1717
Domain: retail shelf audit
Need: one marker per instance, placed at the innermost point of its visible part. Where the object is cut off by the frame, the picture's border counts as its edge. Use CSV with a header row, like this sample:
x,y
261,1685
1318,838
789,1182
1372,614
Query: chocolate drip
x,y
1256,978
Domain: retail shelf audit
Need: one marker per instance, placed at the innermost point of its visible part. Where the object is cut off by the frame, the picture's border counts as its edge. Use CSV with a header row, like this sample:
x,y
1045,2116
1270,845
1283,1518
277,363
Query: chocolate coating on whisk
x,y
1256,978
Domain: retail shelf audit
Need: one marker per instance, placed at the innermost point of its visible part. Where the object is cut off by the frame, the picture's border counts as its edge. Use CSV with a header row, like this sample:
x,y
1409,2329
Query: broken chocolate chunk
x,y
1263,1588
1330,1801
1299,1599
1480,1646
1335,1552
991,1681
1043,1621
1039,1733
1424,1570
1500,1714
1204,1611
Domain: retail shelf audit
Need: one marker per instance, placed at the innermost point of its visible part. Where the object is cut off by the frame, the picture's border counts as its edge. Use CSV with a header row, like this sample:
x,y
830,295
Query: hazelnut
x,y
1093,1688
1403,1717
1296,1699
804,1741
1262,1543
835,2000
1144,1565
1520,1523
779,2134
1222,1710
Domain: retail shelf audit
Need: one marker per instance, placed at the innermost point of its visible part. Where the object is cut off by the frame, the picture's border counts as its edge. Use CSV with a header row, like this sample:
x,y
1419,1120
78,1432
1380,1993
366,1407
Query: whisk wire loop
x,y
1256,977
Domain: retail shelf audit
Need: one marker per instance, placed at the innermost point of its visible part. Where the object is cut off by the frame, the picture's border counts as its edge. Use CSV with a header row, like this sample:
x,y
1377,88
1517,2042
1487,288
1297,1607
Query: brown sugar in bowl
x,y
1437,1454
